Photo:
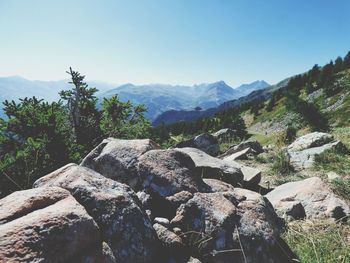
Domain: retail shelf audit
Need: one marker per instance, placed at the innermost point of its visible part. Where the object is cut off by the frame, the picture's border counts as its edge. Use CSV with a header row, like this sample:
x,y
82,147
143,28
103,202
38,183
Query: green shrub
x,y
281,163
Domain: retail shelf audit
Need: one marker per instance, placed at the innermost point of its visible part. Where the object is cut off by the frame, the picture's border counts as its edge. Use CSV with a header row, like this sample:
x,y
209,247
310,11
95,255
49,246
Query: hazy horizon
x,y
170,42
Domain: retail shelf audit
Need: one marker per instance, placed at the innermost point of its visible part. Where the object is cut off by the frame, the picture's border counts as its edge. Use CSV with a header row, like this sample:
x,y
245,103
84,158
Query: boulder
x,y
218,186
124,226
238,224
167,172
306,158
168,239
117,159
251,176
254,145
205,142
162,221
211,167
225,135
239,155
310,140
316,198
48,225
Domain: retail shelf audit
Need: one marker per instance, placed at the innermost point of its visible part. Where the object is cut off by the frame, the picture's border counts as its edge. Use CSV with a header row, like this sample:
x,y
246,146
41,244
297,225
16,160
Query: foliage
x,y
341,187
333,160
83,114
290,134
39,137
227,119
122,120
281,163
319,241
34,141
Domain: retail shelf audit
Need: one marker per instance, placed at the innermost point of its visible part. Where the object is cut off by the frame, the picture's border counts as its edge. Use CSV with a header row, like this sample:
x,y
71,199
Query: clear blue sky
x,y
171,41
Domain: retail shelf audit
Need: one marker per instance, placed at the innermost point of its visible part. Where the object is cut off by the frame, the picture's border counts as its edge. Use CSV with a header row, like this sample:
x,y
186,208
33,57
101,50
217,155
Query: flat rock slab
x,y
124,226
310,140
305,158
240,155
117,159
315,197
254,145
47,225
215,168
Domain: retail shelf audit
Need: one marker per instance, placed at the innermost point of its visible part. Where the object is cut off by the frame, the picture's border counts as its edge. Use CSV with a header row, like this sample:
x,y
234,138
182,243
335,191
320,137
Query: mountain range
x,y
158,98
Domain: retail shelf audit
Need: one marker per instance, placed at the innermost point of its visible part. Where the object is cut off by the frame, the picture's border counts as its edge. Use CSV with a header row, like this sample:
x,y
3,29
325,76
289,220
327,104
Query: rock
x,y
115,208
193,260
306,158
205,142
144,198
218,186
167,172
168,238
251,176
316,198
239,222
240,155
310,140
172,247
48,225
162,221
117,159
332,176
254,145
211,167
180,198
225,135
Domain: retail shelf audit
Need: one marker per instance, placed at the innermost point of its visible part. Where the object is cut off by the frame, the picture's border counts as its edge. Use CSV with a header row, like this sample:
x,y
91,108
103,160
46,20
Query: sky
x,y
171,41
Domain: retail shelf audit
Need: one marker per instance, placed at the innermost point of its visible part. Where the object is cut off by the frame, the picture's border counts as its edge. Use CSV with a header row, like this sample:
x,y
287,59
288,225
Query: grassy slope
x,y
313,241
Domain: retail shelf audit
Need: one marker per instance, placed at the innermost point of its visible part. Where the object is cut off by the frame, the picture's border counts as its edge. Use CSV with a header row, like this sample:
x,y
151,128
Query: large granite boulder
x,y
124,226
310,140
205,142
225,135
167,172
310,198
117,159
48,225
211,167
238,224
306,158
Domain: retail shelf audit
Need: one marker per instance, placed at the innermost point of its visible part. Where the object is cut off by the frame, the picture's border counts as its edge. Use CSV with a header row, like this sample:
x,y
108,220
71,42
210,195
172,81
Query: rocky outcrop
x,y
237,224
225,135
75,214
310,198
310,140
48,225
303,150
205,142
255,148
211,167
124,226
117,159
